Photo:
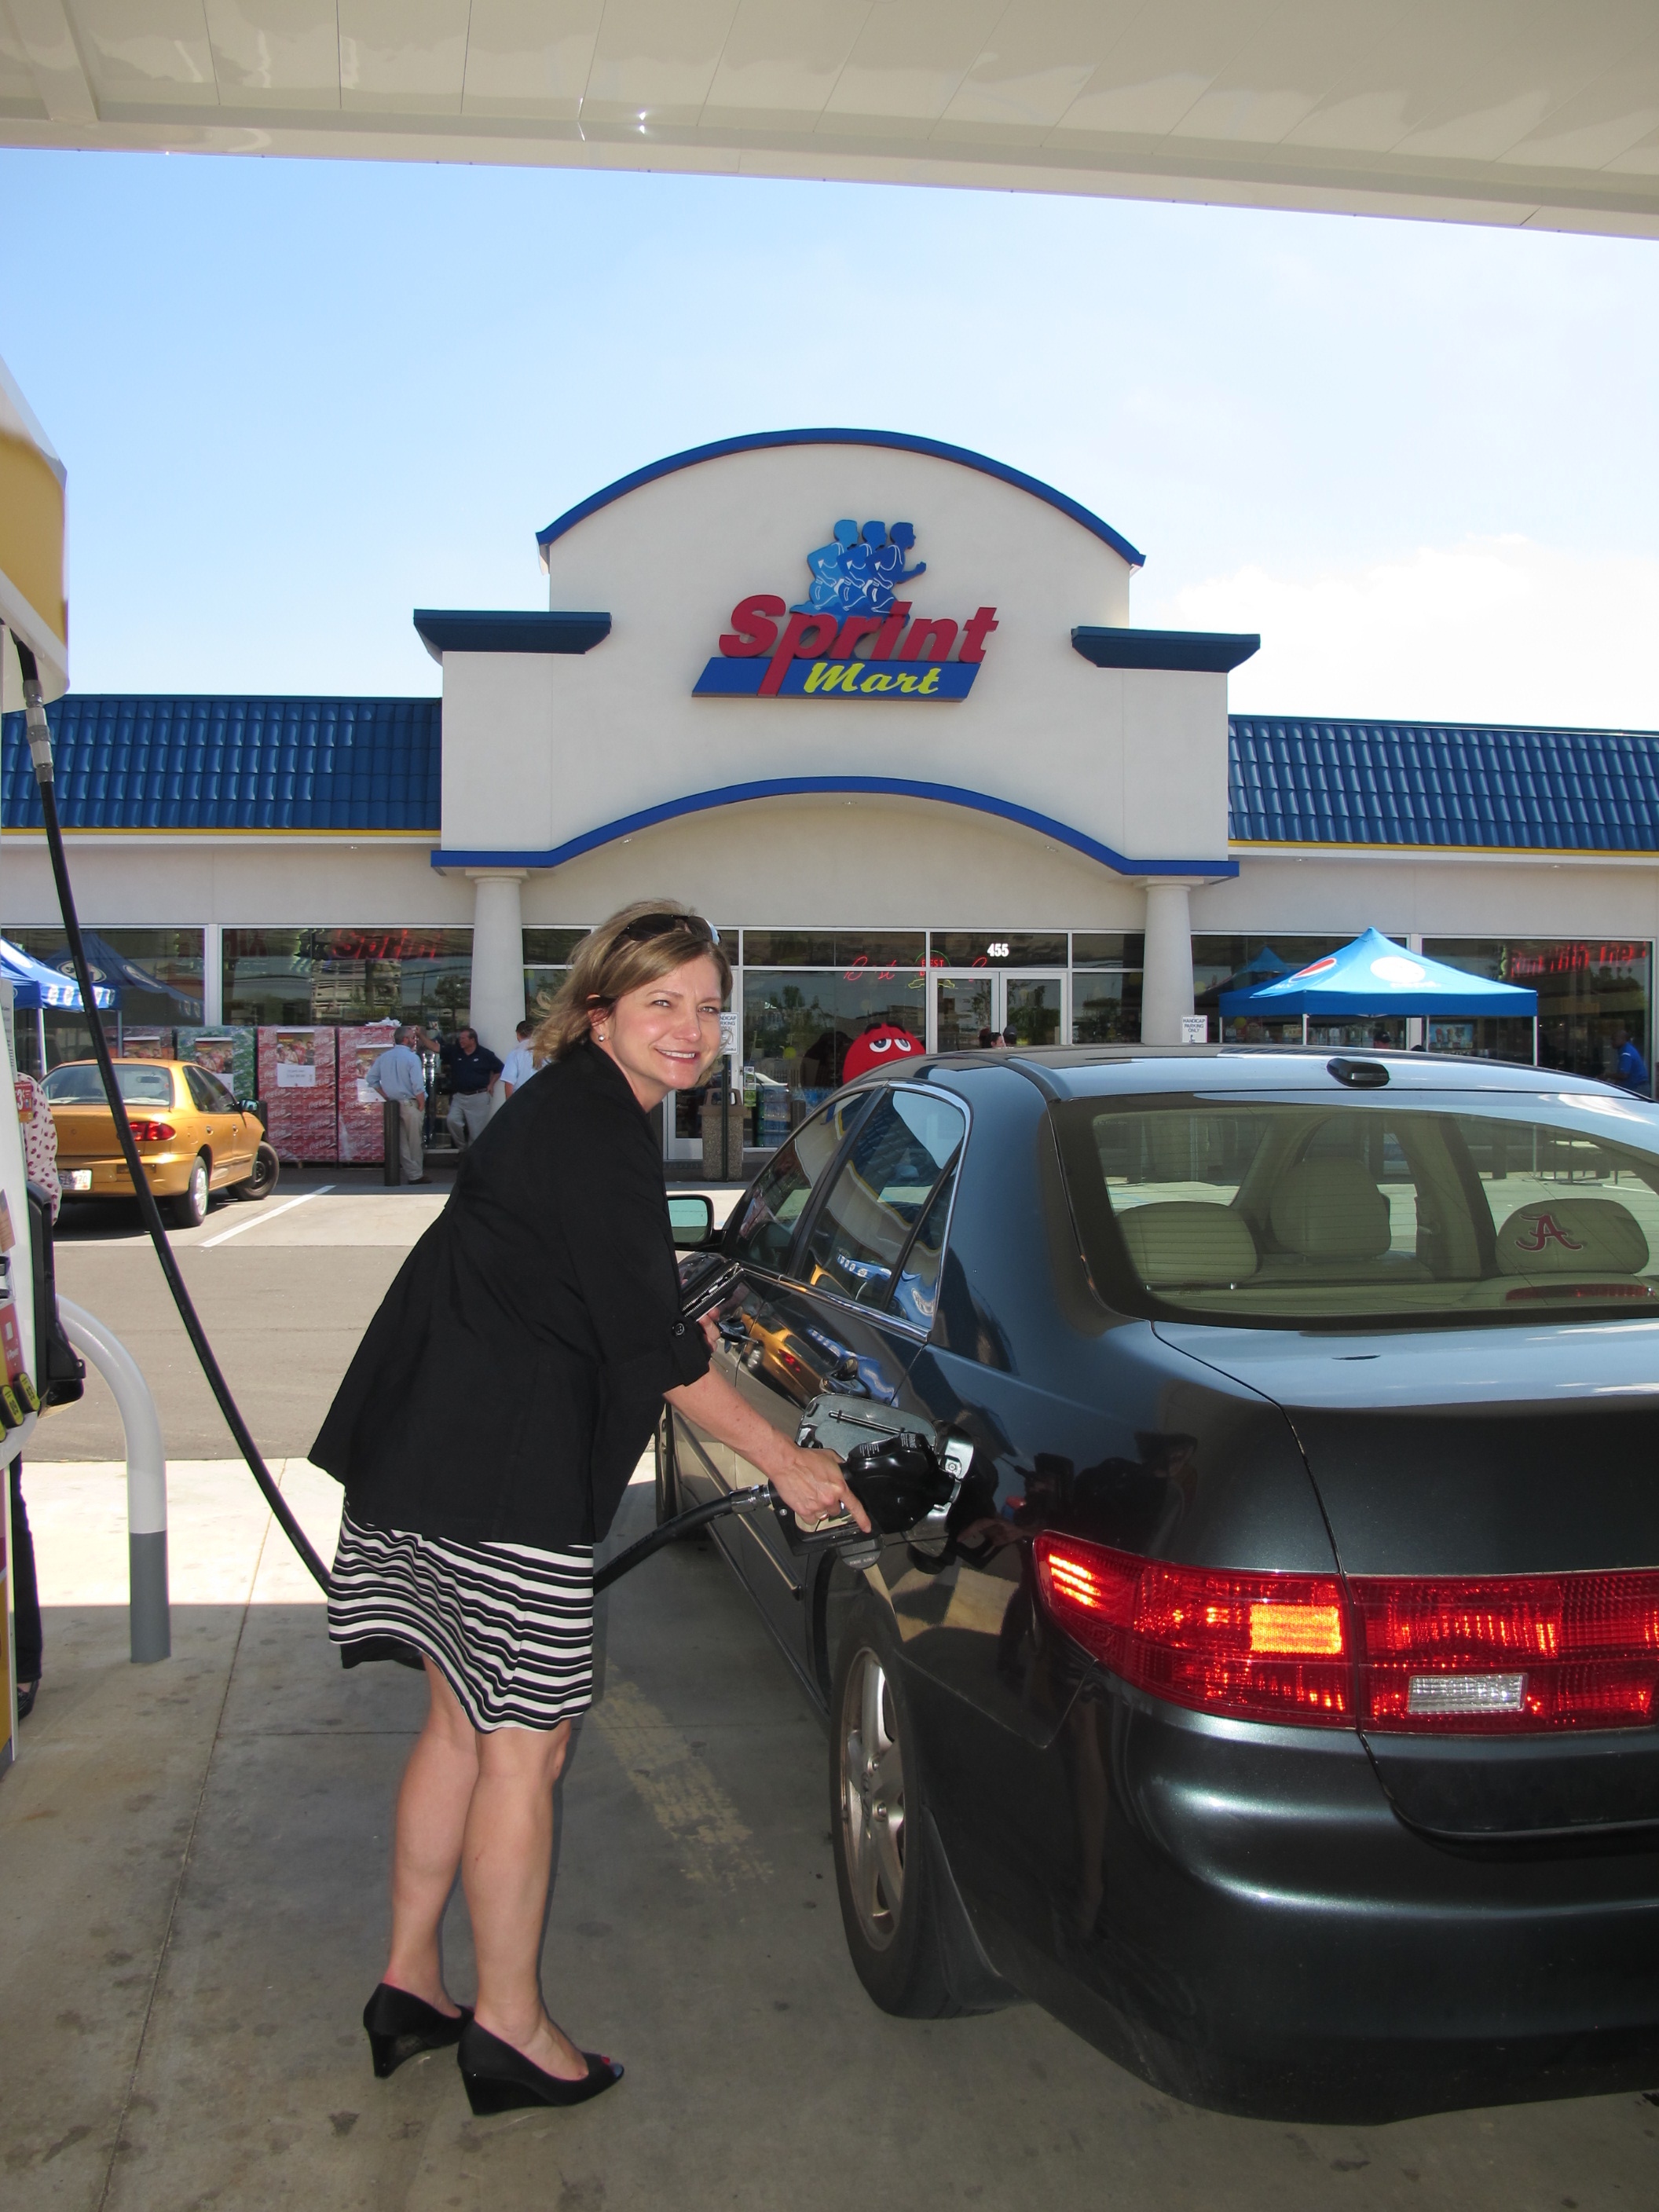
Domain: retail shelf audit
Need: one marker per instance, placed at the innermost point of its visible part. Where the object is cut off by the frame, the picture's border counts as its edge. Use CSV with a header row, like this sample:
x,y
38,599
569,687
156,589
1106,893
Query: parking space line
x,y
259,1219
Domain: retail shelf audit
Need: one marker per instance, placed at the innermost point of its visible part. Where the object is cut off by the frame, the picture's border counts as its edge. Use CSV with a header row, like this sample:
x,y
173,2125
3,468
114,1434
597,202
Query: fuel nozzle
x,y
898,1480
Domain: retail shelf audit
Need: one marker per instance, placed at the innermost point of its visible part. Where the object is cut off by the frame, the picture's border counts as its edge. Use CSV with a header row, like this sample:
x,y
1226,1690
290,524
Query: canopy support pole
x,y
1304,1029
1535,1040
40,1038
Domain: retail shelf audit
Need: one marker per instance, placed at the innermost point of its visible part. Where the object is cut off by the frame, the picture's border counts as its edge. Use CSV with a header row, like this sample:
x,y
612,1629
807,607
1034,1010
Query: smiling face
x,y
664,1035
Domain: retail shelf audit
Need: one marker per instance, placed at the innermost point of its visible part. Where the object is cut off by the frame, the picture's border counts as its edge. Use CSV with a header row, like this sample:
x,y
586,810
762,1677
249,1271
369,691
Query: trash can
x,y
722,1137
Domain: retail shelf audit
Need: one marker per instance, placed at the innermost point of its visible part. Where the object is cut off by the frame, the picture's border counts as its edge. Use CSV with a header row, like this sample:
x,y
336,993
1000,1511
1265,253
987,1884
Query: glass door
x,y
978,1006
960,1007
1034,1007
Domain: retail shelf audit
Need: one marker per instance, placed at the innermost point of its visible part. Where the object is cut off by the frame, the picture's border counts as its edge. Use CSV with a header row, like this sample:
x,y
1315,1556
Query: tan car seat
x,y
1331,1220
1185,1244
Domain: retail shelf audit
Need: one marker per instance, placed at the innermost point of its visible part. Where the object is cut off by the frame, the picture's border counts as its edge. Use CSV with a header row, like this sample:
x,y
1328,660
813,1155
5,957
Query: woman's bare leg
x,y
506,1859
432,1811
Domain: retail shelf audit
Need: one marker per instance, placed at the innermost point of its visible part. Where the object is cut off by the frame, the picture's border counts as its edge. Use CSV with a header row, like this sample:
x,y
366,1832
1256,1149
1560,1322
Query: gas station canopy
x,y
1372,978
1462,110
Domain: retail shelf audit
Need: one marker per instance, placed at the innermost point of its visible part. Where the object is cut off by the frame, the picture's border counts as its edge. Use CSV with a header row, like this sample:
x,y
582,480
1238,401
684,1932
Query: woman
x,y
485,1433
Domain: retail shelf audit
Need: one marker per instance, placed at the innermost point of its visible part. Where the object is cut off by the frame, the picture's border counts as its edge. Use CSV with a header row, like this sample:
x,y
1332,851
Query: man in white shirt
x,y
518,1067
398,1075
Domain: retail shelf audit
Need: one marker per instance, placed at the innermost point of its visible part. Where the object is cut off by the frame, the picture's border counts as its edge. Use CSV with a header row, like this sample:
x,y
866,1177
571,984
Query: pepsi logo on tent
x,y
809,650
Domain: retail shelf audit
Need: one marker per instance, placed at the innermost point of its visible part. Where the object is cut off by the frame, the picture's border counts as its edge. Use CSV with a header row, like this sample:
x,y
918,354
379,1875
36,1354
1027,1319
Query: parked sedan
x,y
192,1136
1270,1692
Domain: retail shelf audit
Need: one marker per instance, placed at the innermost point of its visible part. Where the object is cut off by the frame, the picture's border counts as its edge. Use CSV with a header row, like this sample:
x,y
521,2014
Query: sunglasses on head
x,y
645,926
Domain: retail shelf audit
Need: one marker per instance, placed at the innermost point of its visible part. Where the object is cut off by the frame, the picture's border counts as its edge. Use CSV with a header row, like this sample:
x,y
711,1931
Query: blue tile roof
x,y
1308,782
127,763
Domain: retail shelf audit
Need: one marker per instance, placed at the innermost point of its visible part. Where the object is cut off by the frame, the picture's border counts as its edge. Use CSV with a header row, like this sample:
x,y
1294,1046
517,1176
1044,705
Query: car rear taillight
x,y
150,1132
1506,1654
1257,1647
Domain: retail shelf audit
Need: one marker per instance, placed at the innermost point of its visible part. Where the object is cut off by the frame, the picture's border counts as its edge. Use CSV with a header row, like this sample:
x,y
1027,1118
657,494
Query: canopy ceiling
x,y
1486,111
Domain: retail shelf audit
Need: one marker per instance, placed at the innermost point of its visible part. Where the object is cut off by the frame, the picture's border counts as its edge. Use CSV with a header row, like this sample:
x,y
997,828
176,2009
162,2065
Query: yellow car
x,y
192,1136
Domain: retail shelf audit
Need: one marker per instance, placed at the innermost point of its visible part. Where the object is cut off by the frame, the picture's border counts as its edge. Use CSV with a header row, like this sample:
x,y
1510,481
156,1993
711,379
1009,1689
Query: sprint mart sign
x,y
810,650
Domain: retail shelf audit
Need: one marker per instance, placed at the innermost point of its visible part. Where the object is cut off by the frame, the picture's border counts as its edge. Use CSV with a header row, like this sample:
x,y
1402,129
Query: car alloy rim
x,y
872,1802
198,1188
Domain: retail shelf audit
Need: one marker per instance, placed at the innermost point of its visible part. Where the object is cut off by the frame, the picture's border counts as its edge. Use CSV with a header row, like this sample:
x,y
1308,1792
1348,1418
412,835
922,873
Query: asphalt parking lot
x,y
191,1883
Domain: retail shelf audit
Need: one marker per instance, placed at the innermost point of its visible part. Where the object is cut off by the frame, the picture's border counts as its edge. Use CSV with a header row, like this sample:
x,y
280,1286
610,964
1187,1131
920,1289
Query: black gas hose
x,y
39,735
669,1532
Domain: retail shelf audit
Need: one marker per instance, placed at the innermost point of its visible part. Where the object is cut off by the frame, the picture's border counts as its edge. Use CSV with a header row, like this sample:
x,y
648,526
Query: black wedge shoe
x,y
401,2026
499,2079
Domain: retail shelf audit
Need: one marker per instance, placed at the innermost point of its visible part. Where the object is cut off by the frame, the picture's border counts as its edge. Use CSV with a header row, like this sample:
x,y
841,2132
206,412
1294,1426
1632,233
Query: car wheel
x,y
884,1873
262,1181
189,1209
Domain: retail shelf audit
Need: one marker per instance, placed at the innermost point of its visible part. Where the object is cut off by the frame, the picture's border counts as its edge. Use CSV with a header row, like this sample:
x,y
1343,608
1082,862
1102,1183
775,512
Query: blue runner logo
x,y
852,600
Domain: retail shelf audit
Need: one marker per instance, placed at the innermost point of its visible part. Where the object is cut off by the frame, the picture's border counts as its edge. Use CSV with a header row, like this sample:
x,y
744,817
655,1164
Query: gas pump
x,y
33,615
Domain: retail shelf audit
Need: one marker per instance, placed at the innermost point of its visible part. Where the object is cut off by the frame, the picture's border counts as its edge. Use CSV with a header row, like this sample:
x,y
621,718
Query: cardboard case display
x,y
297,1081
362,1111
229,1053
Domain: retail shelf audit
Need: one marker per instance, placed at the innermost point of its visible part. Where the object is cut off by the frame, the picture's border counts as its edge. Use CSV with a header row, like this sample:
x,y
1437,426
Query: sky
x,y
297,400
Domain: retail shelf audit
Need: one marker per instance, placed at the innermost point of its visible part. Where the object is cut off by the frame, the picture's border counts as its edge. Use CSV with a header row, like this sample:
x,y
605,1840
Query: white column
x,y
497,956
1166,989
213,975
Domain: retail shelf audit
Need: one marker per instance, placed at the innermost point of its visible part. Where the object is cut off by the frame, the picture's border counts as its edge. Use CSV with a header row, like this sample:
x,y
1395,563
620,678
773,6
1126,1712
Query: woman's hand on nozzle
x,y
813,1488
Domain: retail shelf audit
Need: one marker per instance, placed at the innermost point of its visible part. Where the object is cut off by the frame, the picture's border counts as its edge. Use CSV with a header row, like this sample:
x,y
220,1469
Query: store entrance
x,y
962,1005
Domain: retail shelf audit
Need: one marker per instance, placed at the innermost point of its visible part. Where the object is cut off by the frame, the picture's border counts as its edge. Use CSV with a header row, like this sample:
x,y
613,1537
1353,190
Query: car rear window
x,y
1328,1213
78,1086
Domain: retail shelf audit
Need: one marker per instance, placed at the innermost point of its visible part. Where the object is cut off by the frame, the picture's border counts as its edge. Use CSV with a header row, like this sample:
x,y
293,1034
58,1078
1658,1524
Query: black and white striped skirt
x,y
509,1628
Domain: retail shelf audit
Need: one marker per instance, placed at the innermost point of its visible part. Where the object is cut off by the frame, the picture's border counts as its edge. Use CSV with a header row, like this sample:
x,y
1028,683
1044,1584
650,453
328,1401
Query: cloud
x,y
1493,629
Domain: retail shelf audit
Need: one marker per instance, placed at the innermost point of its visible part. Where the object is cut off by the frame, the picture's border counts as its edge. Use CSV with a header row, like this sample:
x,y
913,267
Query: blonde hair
x,y
608,965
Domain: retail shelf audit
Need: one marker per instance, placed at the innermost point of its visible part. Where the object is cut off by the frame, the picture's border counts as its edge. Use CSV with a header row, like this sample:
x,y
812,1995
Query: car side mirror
x,y
691,1218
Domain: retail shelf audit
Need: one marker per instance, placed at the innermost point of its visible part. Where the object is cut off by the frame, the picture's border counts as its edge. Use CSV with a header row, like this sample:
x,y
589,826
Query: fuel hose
x,y
39,737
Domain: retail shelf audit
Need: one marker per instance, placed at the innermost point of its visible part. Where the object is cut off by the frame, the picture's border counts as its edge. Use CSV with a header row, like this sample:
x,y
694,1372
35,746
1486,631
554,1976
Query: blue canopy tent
x,y
109,966
35,987
1374,977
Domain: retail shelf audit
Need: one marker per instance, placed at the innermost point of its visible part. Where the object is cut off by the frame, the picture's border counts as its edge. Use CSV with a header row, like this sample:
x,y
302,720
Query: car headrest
x,y
1331,1210
1571,1237
1186,1242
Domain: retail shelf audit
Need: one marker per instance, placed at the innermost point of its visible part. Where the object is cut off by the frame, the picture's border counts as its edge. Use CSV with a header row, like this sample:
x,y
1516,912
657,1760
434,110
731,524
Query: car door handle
x,y
734,1333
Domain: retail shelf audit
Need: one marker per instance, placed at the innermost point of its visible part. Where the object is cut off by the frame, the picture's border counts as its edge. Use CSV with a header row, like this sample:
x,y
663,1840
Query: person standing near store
x,y
398,1075
473,1072
1630,1069
485,1433
520,1063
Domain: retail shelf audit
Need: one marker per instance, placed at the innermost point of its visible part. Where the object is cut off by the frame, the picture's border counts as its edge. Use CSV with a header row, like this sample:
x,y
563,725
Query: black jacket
x,y
516,1368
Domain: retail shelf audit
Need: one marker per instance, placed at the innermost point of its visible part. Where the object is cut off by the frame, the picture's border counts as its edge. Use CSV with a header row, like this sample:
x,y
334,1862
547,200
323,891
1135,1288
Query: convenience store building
x,y
878,707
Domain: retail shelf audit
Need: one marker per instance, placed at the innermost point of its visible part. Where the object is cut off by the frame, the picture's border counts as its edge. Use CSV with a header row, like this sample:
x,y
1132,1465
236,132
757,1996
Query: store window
x,y
1106,969
1595,1004
799,1025
547,954
348,976
156,975
825,948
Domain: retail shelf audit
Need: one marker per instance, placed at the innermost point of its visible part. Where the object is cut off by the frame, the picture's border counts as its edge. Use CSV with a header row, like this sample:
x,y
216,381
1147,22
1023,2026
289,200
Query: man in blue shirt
x,y
472,1070
398,1075
1631,1073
